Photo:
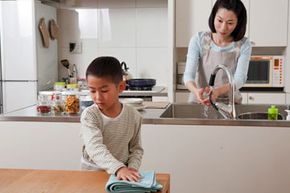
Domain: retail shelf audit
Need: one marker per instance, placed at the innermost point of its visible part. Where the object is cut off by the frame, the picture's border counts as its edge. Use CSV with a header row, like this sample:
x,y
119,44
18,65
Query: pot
x,y
141,83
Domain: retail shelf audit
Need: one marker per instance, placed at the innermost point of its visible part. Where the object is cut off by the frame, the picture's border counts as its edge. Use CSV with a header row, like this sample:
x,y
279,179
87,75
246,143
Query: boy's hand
x,y
129,174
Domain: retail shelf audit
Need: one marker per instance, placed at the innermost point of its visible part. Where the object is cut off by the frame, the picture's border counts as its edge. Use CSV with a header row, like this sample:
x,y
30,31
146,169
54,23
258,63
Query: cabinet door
x,y
268,22
288,98
191,17
18,48
17,95
244,97
266,98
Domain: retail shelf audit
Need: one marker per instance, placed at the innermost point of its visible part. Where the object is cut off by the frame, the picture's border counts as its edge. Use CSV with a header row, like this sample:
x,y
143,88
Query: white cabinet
x,y
191,17
268,22
248,98
244,97
288,98
266,98
18,49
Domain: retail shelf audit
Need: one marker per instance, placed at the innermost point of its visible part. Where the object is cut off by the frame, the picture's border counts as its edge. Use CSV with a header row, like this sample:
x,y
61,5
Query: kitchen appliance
x,y
125,71
266,72
18,83
141,83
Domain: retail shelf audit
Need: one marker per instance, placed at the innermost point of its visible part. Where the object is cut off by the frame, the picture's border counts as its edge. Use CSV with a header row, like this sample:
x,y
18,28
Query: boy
x,y
110,130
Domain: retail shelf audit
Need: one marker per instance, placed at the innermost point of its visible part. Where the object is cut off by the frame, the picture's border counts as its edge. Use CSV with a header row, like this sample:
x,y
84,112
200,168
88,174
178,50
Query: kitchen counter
x,y
31,114
156,91
150,116
61,181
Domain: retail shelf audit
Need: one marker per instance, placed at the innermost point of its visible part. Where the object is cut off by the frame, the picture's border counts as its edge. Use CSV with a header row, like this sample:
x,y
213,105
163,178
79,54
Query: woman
x,y
224,44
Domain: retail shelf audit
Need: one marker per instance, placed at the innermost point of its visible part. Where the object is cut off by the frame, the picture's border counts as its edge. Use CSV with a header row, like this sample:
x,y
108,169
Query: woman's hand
x,y
202,95
129,174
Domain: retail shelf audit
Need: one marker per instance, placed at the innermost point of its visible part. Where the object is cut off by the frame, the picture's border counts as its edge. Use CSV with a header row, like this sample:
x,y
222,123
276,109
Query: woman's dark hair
x,y
239,9
105,67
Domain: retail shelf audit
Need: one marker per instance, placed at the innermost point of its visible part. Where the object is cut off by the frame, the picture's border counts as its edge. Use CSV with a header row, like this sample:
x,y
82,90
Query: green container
x,y
273,113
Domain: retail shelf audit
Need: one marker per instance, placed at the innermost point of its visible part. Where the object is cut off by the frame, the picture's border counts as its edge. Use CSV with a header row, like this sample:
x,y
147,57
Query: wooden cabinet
x,y
191,17
268,22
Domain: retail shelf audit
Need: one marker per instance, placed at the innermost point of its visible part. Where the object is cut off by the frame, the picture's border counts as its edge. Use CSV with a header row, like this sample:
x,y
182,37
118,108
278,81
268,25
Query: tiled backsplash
x,y
134,31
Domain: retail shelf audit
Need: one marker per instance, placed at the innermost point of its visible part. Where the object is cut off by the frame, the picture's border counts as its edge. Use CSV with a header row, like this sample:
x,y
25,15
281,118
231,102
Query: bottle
x,y
59,86
72,87
273,113
288,115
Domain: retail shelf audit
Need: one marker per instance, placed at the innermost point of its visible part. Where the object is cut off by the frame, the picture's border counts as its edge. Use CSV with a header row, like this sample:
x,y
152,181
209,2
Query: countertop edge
x,y
161,121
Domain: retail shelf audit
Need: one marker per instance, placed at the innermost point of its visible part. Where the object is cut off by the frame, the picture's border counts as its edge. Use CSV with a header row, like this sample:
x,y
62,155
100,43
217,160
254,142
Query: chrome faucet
x,y
227,111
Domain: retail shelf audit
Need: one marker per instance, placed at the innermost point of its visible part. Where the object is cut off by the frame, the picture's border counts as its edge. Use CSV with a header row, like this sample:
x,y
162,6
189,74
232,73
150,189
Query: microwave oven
x,y
266,72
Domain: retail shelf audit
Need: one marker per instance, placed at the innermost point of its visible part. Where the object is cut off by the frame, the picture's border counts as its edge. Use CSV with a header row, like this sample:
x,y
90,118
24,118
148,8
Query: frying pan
x,y
141,83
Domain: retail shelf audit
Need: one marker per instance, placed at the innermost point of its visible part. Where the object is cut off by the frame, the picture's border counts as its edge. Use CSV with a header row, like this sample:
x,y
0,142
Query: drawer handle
x,y
251,98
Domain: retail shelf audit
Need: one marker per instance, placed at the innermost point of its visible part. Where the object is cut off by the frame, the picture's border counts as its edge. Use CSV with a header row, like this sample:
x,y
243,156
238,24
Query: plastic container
x,y
44,102
273,113
71,102
72,87
59,86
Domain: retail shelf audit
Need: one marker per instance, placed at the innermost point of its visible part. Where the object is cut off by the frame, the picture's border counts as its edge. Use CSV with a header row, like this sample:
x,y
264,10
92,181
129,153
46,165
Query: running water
x,y
205,111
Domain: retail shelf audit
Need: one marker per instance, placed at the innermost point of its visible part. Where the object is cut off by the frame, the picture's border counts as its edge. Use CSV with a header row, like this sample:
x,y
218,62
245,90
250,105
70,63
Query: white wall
x,y
287,67
134,31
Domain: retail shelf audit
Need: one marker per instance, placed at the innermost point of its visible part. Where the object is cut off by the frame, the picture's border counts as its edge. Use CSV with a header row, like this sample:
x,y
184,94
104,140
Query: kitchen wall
x,y
134,31
47,59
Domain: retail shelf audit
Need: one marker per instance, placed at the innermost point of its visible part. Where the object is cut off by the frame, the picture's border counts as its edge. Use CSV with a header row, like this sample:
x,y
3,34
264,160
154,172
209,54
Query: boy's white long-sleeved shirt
x,y
112,144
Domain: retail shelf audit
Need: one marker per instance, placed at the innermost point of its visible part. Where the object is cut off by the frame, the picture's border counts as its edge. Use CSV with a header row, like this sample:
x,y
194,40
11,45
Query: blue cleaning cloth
x,y
147,183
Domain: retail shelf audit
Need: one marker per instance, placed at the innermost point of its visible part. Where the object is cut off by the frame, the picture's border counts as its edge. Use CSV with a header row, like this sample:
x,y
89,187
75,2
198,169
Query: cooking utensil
x,y
141,83
66,64
53,29
44,33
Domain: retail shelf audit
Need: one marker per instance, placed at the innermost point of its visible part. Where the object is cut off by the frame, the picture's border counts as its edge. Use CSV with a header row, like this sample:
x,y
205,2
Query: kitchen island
x,y
206,154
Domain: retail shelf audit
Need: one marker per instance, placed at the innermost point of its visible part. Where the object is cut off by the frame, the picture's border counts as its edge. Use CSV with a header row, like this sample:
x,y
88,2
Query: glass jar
x,y
57,105
85,99
44,102
71,102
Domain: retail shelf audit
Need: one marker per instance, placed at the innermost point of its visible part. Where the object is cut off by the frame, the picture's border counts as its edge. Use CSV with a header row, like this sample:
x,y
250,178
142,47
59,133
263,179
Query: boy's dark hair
x,y
107,67
239,9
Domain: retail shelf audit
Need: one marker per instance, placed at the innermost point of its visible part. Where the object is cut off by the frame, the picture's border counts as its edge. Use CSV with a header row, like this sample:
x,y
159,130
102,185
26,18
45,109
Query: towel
x,y
147,183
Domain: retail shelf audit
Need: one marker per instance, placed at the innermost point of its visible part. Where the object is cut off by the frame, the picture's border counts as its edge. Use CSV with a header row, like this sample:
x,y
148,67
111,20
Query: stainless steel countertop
x,y
150,116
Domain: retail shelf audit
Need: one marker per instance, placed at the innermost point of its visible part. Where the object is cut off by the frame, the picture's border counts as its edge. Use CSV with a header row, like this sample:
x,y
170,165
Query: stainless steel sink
x,y
197,111
257,115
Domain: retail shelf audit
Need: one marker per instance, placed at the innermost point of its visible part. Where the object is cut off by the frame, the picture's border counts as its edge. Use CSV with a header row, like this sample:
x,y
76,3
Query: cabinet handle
x,y
251,98
252,43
